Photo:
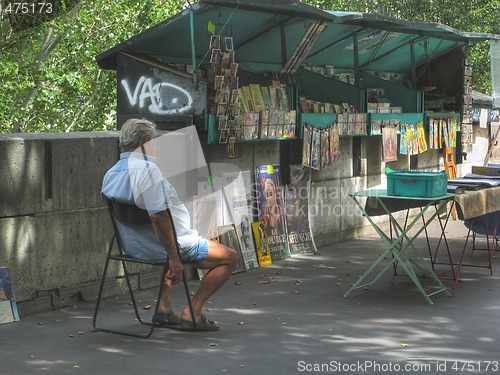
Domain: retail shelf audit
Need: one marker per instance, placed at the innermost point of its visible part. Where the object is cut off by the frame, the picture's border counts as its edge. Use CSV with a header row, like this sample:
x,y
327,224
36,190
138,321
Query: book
x,y
261,243
247,95
266,97
242,101
257,98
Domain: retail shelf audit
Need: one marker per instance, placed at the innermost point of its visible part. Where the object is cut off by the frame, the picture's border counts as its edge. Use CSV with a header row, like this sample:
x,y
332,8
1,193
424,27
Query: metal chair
x,y
135,216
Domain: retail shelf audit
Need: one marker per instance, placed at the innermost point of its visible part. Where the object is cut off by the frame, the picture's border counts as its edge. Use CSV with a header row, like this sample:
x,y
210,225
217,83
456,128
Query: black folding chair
x,y
135,216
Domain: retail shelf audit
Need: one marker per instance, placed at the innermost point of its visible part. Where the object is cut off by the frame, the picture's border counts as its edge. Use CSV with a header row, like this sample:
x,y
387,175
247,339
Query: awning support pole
x,y
193,50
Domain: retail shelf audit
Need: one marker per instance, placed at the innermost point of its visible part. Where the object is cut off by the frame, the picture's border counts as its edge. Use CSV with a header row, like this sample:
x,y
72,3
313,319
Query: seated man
x,y
136,179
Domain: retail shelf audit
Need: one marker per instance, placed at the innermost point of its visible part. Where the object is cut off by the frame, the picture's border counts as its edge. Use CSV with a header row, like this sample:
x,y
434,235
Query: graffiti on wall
x,y
161,98
146,90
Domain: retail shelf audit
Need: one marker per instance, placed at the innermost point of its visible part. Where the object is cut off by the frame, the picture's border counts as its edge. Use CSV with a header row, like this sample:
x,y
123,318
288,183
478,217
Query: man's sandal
x,y
167,320
201,325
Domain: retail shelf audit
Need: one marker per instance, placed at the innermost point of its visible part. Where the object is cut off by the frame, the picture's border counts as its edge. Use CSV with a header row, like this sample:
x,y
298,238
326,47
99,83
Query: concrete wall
x,y
55,229
53,225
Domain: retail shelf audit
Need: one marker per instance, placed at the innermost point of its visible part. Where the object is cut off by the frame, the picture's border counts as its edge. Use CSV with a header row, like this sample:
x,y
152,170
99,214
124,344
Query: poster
x,y
205,218
271,209
8,305
260,238
238,191
297,211
228,237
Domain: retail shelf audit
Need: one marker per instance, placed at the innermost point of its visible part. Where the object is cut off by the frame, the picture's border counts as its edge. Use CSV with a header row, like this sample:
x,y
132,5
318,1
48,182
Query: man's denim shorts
x,y
197,253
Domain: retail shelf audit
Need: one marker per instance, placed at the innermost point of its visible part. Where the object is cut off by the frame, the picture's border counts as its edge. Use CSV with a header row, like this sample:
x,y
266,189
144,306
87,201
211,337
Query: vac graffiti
x,y
162,98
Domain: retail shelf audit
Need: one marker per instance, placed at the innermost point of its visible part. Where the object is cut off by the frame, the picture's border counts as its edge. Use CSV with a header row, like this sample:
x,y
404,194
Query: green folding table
x,y
400,246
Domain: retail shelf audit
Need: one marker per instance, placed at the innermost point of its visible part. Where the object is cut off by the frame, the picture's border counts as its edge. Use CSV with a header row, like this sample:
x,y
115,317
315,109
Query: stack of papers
x,y
473,182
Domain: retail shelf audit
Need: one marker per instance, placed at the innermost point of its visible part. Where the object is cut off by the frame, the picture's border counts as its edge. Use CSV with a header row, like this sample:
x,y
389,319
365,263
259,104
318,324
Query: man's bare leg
x,y
221,261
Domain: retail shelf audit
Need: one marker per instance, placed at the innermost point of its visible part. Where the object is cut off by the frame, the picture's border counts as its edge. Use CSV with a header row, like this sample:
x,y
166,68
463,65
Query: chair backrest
x,y
128,213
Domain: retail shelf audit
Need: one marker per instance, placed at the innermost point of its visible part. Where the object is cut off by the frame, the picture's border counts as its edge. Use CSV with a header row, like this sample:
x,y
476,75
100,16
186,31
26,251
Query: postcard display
x,y
224,70
249,112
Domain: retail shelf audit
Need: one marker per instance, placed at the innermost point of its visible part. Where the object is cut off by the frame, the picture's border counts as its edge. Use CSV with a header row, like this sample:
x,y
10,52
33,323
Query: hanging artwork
x,y
405,139
316,149
306,146
422,144
453,132
334,144
390,143
325,148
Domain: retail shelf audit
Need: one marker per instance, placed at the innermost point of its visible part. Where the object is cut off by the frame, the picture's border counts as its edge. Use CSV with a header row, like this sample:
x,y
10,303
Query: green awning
x,y
266,34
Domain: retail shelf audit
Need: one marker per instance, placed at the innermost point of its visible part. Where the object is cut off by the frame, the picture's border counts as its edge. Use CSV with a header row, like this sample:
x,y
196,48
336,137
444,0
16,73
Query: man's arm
x,y
162,226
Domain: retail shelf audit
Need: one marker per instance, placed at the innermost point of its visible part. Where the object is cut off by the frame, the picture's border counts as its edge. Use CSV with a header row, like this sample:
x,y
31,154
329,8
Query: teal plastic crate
x,y
417,184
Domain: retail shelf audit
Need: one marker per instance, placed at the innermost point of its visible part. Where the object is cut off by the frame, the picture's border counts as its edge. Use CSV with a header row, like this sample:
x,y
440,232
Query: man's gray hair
x,y
134,131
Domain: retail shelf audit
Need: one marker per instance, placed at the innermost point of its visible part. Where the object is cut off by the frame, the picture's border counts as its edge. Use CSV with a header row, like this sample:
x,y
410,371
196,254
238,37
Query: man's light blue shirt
x,y
136,179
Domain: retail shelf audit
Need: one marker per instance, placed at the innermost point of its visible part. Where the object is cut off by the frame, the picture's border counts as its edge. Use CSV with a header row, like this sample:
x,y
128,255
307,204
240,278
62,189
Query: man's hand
x,y
175,269
163,228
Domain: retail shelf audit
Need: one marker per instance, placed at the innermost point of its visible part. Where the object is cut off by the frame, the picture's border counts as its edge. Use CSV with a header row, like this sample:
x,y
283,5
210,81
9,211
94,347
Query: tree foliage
x,y
49,80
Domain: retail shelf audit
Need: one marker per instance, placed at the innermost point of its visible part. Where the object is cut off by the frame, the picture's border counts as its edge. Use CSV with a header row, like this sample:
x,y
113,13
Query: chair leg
x,y
101,287
134,303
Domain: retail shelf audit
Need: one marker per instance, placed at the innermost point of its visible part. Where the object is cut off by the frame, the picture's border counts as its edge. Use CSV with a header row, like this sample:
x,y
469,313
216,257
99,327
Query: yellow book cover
x,y
258,100
248,98
241,99
261,244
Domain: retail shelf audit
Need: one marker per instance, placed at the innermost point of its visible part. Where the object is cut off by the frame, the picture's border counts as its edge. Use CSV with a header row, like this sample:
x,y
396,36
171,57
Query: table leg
x,y
400,255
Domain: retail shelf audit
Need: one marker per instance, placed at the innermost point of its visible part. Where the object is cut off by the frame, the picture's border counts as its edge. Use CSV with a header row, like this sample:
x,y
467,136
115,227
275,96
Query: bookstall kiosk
x,y
359,72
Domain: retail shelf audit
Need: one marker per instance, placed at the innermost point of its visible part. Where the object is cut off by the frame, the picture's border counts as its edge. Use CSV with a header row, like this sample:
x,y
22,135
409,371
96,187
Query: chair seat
x,y
128,258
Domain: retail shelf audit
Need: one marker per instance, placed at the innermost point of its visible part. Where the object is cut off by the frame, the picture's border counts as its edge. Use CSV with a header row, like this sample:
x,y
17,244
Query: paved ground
x,y
286,319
